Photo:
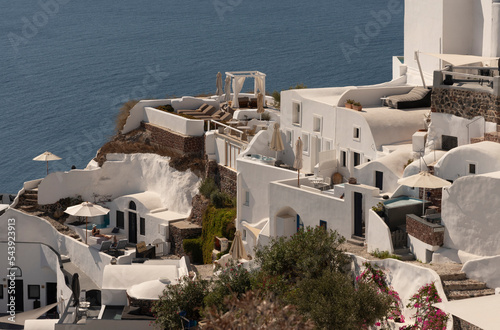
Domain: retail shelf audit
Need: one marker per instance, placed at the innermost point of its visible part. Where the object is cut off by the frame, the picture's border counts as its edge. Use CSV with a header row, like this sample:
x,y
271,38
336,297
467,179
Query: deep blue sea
x,y
68,65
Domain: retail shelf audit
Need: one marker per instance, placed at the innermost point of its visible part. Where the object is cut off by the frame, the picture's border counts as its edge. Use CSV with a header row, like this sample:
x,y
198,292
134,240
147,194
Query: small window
x,y
142,227
343,158
305,143
1,291
317,123
296,113
132,206
356,158
33,291
244,234
322,224
289,137
379,180
472,168
247,198
356,133
327,144
120,219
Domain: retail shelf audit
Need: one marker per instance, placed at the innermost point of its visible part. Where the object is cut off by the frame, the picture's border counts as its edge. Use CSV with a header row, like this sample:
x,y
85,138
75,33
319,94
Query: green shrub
x,y
166,108
186,296
220,199
277,98
216,222
232,280
207,187
194,247
334,303
266,116
384,255
304,255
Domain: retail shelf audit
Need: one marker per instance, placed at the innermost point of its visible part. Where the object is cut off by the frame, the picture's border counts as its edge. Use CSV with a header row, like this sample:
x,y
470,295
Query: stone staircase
x,y
457,286
29,200
356,240
404,254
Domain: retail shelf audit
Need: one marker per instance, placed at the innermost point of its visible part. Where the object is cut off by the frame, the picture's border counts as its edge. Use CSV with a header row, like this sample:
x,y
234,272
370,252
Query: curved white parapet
x,y
378,234
485,270
173,122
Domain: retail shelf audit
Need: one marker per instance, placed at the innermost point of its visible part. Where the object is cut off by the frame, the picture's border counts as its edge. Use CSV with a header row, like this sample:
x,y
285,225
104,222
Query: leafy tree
x,y
333,302
304,255
186,296
233,280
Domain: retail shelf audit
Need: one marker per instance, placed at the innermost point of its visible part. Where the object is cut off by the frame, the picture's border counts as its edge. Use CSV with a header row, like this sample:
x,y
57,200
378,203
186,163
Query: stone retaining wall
x,y
224,177
432,234
200,205
179,231
178,143
466,103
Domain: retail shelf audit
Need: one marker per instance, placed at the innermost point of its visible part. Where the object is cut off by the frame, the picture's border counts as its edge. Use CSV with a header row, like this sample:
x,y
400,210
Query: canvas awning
x,y
458,59
253,230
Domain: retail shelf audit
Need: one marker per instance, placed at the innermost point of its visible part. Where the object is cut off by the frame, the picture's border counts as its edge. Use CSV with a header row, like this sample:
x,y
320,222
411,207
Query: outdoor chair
x,y
105,246
226,117
143,251
210,110
117,250
200,109
186,323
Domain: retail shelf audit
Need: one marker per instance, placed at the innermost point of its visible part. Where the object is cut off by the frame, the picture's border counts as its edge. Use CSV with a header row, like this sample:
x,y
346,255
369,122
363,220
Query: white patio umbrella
x,y
260,105
298,159
424,180
227,89
237,250
276,140
218,92
46,157
86,209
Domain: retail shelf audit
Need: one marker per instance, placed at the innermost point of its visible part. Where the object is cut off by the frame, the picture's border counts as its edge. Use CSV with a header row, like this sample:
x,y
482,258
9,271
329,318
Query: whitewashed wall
x,y
255,177
455,164
124,175
470,214
175,123
378,235
485,270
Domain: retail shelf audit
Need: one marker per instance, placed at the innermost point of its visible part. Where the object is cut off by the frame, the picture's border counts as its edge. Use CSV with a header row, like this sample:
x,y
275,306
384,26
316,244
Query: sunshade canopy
x,y
276,140
46,156
86,209
458,59
424,180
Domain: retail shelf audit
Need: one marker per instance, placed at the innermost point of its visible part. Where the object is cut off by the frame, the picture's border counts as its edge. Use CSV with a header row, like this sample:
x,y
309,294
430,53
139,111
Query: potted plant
x,y
357,106
379,209
348,103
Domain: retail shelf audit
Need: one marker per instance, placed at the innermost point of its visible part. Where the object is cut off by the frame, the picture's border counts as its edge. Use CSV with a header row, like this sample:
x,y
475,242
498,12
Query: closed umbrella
x,y
86,209
46,157
298,159
75,287
424,180
218,92
237,250
227,89
260,105
276,140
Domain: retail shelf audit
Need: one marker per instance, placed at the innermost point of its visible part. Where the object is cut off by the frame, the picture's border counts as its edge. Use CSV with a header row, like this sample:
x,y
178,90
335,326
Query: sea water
x,y
68,65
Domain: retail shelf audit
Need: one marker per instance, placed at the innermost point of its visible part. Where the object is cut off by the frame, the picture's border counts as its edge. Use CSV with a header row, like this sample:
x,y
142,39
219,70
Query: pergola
x,y
238,79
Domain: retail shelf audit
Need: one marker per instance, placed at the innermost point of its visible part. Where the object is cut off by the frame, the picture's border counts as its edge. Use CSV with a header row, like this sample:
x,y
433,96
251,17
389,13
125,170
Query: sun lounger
x,y
216,115
200,109
226,117
418,97
105,246
210,110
